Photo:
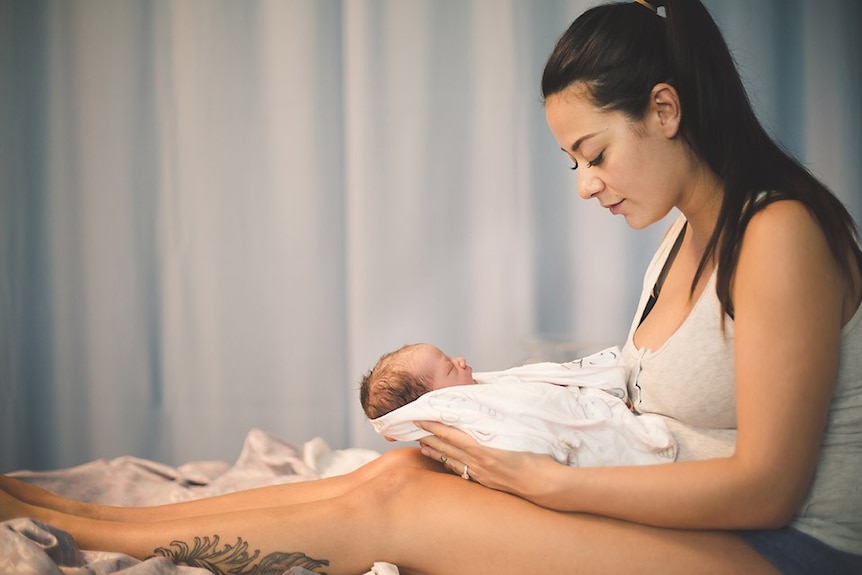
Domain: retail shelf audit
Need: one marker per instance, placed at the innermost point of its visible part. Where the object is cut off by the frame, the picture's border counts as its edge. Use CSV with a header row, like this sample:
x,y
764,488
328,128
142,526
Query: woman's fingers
x,y
438,453
455,466
510,471
443,445
445,432
452,442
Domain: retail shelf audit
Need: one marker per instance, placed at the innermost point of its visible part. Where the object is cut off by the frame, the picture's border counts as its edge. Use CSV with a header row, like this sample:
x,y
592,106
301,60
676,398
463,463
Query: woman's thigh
x,y
286,494
280,495
435,523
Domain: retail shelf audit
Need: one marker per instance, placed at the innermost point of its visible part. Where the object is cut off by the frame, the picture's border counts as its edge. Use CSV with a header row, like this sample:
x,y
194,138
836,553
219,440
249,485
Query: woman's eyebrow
x,y
580,141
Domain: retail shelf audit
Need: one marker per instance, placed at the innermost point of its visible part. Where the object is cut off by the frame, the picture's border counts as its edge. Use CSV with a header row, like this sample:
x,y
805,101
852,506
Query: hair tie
x,y
648,5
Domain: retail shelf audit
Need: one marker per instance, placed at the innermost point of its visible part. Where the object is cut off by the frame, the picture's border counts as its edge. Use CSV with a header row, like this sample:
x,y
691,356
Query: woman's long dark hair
x,y
620,51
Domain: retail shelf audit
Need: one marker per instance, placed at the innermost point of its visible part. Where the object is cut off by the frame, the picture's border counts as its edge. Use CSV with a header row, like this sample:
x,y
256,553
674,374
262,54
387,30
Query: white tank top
x,y
689,381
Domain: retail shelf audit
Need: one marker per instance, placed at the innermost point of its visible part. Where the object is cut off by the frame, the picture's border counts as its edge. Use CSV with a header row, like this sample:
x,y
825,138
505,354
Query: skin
x,y
443,371
668,518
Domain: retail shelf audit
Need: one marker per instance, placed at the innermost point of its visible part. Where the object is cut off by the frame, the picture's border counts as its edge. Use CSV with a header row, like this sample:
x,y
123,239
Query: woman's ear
x,y
665,108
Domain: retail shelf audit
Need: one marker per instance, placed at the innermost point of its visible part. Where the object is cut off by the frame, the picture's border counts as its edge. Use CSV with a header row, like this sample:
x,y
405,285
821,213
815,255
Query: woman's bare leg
x,y
423,522
269,496
237,541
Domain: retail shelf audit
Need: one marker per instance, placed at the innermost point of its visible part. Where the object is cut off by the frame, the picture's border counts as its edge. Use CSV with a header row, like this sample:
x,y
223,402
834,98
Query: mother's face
x,y
633,168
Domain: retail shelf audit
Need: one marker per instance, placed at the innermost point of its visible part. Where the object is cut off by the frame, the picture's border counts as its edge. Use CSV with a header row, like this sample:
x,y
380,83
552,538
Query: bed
x,y
34,548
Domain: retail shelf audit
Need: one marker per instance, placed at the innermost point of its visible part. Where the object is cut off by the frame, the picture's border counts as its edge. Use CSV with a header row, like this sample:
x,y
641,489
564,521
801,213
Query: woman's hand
x,y
520,473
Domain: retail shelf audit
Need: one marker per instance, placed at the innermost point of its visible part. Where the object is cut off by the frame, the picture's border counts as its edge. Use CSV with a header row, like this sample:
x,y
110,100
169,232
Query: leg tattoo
x,y
235,559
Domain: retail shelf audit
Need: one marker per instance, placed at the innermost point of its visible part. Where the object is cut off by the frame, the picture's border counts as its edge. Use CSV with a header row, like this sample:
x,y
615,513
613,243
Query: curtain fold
x,y
218,215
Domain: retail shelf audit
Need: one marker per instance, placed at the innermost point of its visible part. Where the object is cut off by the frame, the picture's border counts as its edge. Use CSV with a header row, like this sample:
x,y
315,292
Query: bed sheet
x,y
34,548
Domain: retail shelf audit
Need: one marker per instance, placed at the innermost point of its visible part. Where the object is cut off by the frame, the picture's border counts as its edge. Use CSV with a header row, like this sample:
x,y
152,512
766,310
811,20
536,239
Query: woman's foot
x,y
12,508
35,495
21,489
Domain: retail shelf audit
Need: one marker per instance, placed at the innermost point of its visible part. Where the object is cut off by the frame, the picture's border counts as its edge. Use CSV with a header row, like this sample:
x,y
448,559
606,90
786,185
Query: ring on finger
x,y
465,475
443,459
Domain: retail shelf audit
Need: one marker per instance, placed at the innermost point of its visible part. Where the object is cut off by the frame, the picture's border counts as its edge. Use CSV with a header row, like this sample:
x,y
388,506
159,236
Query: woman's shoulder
x,y
785,252
784,221
785,233
784,242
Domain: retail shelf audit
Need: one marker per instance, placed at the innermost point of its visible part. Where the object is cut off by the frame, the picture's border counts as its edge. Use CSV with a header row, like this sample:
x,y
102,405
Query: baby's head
x,y
407,373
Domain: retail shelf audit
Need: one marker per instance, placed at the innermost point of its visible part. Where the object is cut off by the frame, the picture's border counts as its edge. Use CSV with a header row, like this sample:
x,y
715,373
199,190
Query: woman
x,y
750,347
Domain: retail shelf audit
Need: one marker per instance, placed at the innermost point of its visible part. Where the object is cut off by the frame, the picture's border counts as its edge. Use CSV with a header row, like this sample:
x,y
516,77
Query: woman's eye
x,y
598,159
574,164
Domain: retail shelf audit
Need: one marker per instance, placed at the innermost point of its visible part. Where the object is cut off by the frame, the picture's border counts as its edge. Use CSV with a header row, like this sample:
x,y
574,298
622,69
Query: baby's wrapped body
x,y
576,412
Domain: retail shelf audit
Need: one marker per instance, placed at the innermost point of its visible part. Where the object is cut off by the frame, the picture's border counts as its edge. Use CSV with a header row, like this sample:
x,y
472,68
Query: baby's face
x,y
442,370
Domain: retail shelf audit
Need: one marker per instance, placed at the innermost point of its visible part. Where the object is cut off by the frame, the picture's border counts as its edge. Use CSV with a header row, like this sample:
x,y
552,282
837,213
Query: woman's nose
x,y
588,184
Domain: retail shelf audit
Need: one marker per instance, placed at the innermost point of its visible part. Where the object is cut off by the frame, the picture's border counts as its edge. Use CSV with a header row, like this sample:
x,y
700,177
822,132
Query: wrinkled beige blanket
x,y
28,547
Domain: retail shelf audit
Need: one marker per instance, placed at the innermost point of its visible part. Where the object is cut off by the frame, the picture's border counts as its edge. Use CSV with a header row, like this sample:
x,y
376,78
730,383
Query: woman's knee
x,y
398,459
398,479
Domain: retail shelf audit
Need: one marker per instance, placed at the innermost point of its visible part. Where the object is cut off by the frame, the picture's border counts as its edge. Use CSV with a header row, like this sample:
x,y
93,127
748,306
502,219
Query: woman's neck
x,y
700,206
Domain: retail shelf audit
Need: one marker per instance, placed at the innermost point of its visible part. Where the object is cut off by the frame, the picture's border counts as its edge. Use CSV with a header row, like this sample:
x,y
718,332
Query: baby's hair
x,y
391,384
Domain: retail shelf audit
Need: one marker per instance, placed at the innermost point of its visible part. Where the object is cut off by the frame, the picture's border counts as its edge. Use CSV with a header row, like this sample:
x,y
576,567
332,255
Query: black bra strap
x,y
656,289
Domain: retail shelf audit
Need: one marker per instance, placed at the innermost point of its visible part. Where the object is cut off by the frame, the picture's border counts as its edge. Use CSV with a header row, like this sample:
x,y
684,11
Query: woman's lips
x,y
615,208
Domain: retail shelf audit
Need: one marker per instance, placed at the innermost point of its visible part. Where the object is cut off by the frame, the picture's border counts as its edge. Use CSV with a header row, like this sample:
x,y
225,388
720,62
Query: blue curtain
x,y
216,215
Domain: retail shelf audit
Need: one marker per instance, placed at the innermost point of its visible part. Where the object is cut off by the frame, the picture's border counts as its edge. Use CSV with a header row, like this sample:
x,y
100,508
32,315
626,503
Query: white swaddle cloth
x,y
575,412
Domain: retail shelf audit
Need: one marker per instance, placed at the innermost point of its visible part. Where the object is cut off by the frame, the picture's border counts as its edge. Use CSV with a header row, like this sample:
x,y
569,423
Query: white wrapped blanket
x,y
575,412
